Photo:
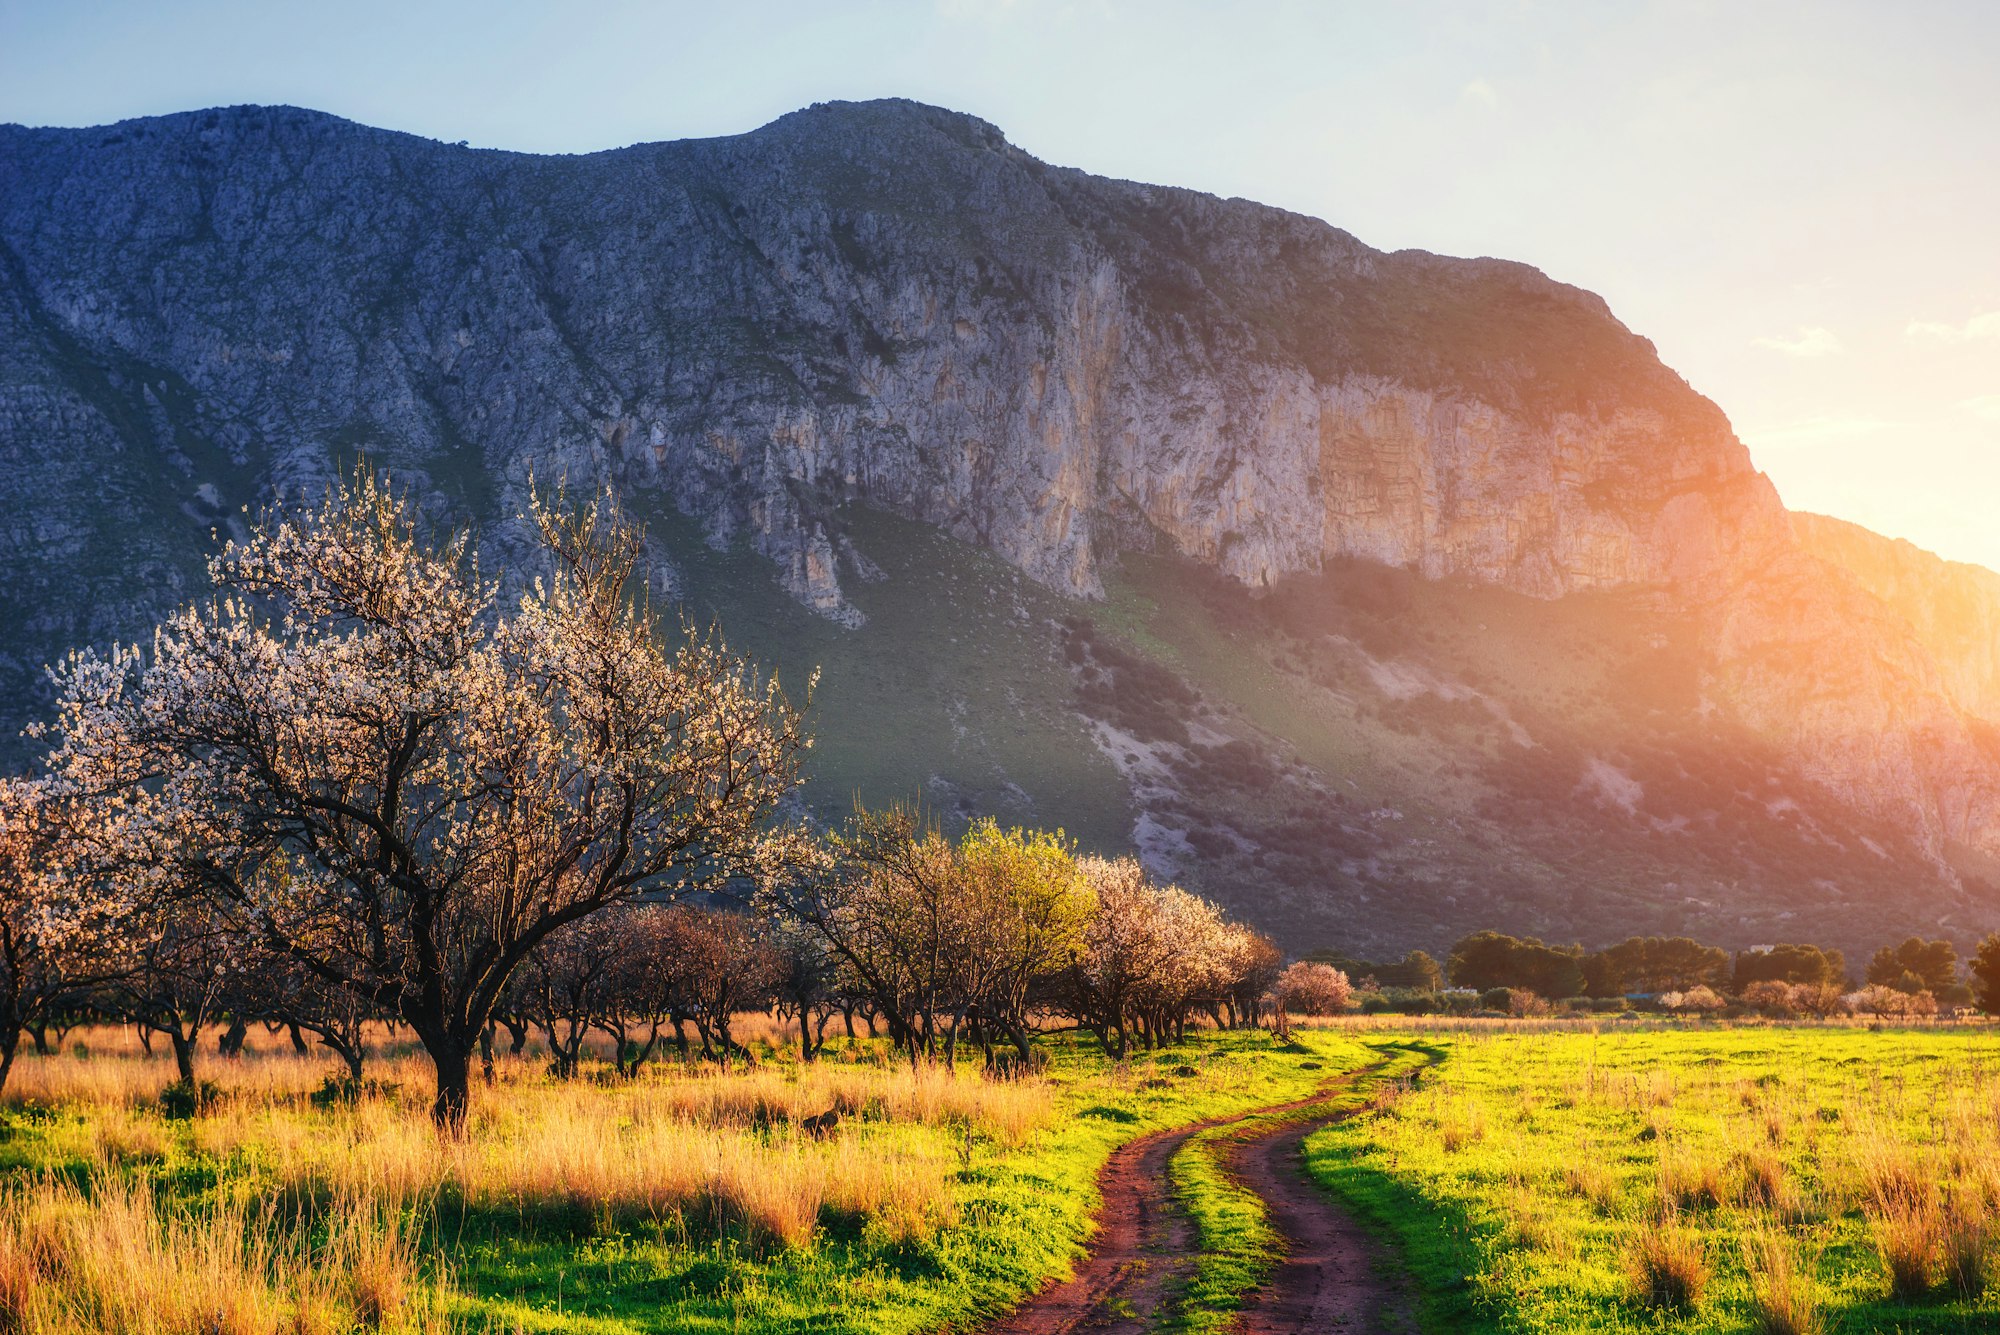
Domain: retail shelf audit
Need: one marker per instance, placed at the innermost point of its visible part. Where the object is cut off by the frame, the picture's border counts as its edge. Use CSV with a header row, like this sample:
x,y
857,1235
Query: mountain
x,y
1381,595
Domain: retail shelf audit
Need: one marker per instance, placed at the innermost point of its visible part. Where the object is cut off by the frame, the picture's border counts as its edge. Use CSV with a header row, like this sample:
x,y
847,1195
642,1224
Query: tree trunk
x,y
231,1042
725,1041
454,1067
10,1040
41,1037
351,1053
638,1055
486,1053
299,1044
183,1054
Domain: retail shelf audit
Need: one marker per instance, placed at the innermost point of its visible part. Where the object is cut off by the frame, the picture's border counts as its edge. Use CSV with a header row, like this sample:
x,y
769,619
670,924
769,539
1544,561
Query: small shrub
x,y
1106,1113
340,1090
183,1099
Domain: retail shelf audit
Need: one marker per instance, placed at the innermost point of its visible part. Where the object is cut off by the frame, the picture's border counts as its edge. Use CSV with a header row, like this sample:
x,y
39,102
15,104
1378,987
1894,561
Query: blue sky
x,y
1796,201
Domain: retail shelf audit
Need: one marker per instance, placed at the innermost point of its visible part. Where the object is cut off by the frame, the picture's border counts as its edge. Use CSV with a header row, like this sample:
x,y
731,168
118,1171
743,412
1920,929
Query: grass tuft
x,y
1784,1300
1967,1242
1668,1266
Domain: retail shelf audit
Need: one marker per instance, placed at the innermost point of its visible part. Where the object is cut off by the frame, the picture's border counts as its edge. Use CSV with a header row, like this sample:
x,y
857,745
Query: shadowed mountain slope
x,y
1181,442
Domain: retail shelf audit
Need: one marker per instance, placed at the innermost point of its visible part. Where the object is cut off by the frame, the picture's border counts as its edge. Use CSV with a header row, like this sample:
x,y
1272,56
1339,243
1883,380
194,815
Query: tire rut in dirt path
x,y
1144,1241
1333,1276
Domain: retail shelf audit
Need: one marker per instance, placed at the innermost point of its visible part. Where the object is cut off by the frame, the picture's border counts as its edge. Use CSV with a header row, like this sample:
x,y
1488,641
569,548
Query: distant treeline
x,y
1511,972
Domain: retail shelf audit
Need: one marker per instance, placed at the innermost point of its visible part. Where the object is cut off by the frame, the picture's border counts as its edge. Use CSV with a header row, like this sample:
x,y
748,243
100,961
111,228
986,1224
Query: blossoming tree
x,y
357,758
48,955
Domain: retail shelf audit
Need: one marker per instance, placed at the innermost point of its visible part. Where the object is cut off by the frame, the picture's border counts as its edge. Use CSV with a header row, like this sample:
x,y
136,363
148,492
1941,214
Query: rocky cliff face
x,y
1952,608
882,302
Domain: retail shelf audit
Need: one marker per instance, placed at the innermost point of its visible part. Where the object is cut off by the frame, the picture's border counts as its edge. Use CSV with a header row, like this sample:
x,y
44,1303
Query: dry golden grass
x,y
1595,1181
1689,1181
583,1150
1907,1237
101,1067
1462,1125
696,1147
1966,1243
109,1260
1762,1182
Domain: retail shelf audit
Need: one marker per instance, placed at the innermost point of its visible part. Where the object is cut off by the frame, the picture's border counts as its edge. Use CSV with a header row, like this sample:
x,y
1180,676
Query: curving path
x,y
1332,1278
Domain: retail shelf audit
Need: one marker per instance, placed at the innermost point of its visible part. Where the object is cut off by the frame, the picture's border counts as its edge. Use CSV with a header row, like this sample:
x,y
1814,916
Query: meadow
x,y
1704,1178
1530,1177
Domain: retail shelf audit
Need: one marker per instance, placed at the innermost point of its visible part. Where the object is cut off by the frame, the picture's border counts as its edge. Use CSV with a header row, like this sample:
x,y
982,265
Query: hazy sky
x,y
1798,202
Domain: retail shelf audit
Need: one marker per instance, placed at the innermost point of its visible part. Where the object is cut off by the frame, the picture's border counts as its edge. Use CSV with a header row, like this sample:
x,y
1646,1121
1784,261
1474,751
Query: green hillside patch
x,y
1449,755
955,683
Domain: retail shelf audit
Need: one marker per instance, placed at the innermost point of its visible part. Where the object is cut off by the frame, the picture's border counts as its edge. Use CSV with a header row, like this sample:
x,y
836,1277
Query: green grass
x,y
1511,1182
1514,1186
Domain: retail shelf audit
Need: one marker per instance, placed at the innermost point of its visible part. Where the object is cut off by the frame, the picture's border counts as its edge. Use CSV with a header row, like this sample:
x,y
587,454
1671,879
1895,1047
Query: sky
x,y
1799,203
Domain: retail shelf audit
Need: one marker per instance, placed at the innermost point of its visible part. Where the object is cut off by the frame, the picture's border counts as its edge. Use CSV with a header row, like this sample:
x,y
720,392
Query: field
x,y
1840,1179
1528,1178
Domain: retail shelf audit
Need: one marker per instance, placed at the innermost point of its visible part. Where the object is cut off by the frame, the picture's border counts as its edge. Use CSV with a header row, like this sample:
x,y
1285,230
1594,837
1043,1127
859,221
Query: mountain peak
x,y
883,306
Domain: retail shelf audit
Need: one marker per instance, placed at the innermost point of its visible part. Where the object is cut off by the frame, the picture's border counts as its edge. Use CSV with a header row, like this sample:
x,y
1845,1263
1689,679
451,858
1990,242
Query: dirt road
x,y
1331,1278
